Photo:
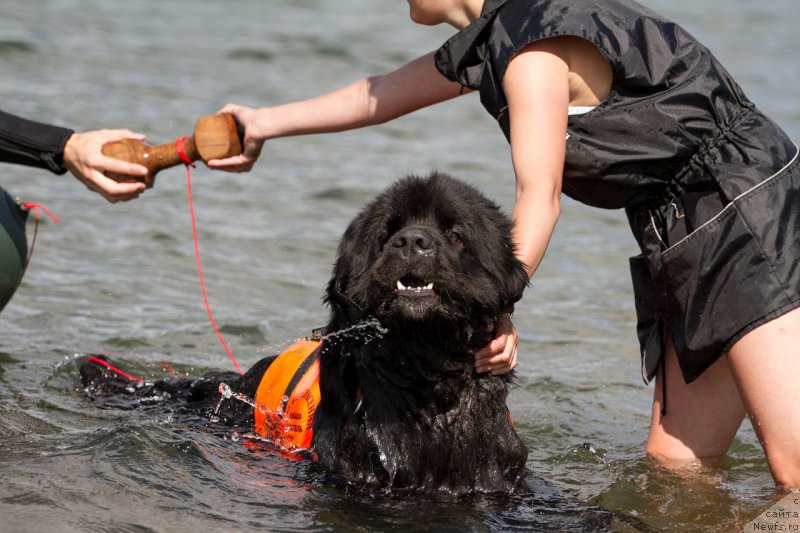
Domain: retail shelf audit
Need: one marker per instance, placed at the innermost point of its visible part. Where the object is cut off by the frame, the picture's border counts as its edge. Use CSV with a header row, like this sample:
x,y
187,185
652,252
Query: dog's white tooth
x,y
400,286
429,286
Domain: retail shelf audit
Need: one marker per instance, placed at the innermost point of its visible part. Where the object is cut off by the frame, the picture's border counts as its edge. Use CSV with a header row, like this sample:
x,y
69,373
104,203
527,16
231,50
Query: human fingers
x,y
112,190
240,163
83,154
495,357
229,108
244,115
109,165
500,355
118,168
109,135
252,141
237,163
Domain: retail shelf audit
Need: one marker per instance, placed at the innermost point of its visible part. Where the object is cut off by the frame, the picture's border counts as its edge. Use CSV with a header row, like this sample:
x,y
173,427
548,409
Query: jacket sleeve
x,y
25,142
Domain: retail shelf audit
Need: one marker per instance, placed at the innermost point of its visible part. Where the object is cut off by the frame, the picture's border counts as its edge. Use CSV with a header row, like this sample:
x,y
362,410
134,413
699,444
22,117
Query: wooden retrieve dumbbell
x,y
215,137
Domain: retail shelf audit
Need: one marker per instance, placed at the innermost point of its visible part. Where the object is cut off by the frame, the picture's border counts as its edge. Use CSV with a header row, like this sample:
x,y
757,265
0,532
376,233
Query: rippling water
x,y
122,279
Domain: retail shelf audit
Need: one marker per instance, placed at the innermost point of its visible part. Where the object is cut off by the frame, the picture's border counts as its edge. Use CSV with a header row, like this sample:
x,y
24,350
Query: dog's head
x,y
429,252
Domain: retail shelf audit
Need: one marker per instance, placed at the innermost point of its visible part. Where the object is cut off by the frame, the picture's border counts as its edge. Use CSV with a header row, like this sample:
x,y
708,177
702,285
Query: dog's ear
x,y
352,264
515,280
515,283
344,311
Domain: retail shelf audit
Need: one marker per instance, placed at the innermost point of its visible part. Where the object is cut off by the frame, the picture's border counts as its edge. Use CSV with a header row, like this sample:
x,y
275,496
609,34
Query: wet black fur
x,y
427,420
406,410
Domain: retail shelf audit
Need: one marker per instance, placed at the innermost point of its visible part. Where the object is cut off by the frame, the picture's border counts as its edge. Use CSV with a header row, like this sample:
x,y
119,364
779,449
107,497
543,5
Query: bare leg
x,y
702,417
761,373
765,364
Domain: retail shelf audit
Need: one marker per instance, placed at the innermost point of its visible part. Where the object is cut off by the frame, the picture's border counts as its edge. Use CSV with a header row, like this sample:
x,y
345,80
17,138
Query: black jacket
x,y
25,142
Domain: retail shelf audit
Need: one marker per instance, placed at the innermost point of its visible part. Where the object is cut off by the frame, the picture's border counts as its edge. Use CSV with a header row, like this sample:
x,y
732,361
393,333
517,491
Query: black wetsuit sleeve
x,y
25,142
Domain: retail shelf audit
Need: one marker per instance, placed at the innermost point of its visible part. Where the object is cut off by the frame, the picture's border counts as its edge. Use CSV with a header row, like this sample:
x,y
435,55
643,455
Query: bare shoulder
x,y
590,73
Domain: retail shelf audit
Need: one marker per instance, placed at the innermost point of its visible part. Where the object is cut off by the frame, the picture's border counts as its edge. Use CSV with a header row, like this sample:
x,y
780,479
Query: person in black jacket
x,y
57,149
619,107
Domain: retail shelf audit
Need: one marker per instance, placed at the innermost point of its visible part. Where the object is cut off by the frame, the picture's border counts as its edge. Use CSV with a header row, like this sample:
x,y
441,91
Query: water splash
x,y
366,331
363,332
226,393
292,452
67,360
276,423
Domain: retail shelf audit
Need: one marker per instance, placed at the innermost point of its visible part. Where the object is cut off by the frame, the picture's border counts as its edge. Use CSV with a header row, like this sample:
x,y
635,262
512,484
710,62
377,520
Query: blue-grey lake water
x,y
122,279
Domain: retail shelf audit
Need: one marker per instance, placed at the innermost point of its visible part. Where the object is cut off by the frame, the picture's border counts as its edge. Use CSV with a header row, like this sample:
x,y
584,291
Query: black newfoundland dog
x,y
432,261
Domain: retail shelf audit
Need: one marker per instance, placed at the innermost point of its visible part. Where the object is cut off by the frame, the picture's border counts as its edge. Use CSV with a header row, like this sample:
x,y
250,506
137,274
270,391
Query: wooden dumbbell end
x,y
217,137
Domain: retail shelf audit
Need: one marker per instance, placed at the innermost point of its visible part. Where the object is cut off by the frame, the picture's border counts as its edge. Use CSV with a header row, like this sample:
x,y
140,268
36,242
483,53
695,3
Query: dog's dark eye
x,y
455,238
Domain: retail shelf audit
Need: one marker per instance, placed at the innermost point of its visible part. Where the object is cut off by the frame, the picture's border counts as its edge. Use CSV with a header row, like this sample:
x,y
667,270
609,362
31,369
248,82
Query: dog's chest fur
x,y
401,420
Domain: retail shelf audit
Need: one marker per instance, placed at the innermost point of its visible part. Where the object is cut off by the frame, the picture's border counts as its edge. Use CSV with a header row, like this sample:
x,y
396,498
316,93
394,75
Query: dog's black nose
x,y
413,240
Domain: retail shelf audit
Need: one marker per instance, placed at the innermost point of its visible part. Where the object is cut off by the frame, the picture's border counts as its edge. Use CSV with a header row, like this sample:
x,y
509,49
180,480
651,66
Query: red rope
x,y
179,146
114,369
36,207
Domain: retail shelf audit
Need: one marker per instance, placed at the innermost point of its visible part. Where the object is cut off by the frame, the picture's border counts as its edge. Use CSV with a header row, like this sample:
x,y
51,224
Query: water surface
x,y
121,279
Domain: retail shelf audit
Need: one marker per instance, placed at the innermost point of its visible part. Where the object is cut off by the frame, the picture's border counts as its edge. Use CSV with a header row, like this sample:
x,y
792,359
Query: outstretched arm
x,y
366,102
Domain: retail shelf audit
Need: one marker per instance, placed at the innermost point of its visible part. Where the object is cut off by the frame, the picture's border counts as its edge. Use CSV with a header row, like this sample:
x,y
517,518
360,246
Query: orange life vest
x,y
289,394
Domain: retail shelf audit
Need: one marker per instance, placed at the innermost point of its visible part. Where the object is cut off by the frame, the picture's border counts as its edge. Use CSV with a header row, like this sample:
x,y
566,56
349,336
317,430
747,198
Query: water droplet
x,y
225,390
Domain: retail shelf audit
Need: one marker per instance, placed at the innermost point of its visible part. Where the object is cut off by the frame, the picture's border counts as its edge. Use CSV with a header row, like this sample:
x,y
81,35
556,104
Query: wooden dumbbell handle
x,y
215,137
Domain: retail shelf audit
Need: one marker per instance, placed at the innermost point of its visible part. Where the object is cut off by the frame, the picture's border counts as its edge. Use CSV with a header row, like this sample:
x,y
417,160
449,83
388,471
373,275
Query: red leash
x,y
186,161
179,145
114,369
